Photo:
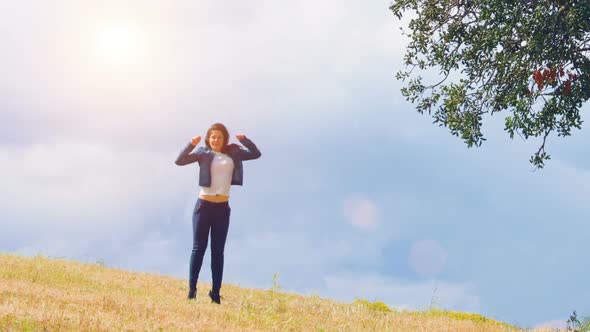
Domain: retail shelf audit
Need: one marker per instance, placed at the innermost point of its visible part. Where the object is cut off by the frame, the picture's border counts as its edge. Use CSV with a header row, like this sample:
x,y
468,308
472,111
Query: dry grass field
x,y
41,294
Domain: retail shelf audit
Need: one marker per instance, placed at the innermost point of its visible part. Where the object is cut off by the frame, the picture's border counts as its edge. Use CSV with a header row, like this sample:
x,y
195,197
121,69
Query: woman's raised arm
x,y
186,156
251,151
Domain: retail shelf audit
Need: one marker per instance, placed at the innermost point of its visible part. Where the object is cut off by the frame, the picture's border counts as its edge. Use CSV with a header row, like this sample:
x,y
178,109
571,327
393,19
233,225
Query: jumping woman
x,y
220,166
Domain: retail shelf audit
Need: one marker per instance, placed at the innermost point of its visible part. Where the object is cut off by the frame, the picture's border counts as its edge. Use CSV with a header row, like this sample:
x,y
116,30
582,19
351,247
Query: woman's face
x,y
216,140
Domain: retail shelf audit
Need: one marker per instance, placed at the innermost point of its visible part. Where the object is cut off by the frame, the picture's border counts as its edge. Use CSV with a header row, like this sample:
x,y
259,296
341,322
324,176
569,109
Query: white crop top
x,y
222,168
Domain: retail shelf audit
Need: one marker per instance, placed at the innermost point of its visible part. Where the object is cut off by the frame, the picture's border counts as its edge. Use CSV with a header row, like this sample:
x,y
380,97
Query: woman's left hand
x,y
240,137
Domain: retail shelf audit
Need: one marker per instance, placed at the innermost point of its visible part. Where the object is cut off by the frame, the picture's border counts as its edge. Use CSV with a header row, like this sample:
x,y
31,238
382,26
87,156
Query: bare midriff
x,y
215,198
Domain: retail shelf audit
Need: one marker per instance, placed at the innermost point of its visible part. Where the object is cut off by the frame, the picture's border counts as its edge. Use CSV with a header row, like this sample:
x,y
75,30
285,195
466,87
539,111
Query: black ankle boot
x,y
192,294
215,297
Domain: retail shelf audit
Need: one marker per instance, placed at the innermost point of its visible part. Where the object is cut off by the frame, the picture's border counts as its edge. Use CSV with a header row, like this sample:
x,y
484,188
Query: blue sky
x,y
356,194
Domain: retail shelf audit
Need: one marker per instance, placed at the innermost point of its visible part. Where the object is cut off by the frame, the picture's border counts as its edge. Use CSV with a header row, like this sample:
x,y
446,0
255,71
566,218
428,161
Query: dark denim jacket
x,y
204,155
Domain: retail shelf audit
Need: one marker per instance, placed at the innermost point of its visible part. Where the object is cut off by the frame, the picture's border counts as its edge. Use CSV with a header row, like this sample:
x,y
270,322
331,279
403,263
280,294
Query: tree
x,y
526,58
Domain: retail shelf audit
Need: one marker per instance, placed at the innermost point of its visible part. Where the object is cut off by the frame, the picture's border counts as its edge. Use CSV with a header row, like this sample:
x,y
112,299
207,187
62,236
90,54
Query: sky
x,y
356,195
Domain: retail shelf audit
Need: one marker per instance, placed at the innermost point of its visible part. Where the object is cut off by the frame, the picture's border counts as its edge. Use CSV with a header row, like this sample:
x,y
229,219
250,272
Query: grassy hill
x,y
41,294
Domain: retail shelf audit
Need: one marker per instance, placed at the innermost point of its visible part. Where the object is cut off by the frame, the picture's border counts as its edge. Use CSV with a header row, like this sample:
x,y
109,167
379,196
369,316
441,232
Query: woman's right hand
x,y
195,140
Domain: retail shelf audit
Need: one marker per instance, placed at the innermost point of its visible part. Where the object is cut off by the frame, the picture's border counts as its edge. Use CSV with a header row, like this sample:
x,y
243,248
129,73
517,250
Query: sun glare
x,y
120,44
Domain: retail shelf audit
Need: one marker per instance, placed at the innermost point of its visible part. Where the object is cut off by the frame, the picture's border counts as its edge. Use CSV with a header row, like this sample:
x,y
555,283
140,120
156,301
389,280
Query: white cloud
x,y
361,211
76,183
85,201
217,47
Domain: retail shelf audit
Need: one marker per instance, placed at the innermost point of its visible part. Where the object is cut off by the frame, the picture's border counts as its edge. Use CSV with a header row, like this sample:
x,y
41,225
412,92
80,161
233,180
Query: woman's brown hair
x,y
220,127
